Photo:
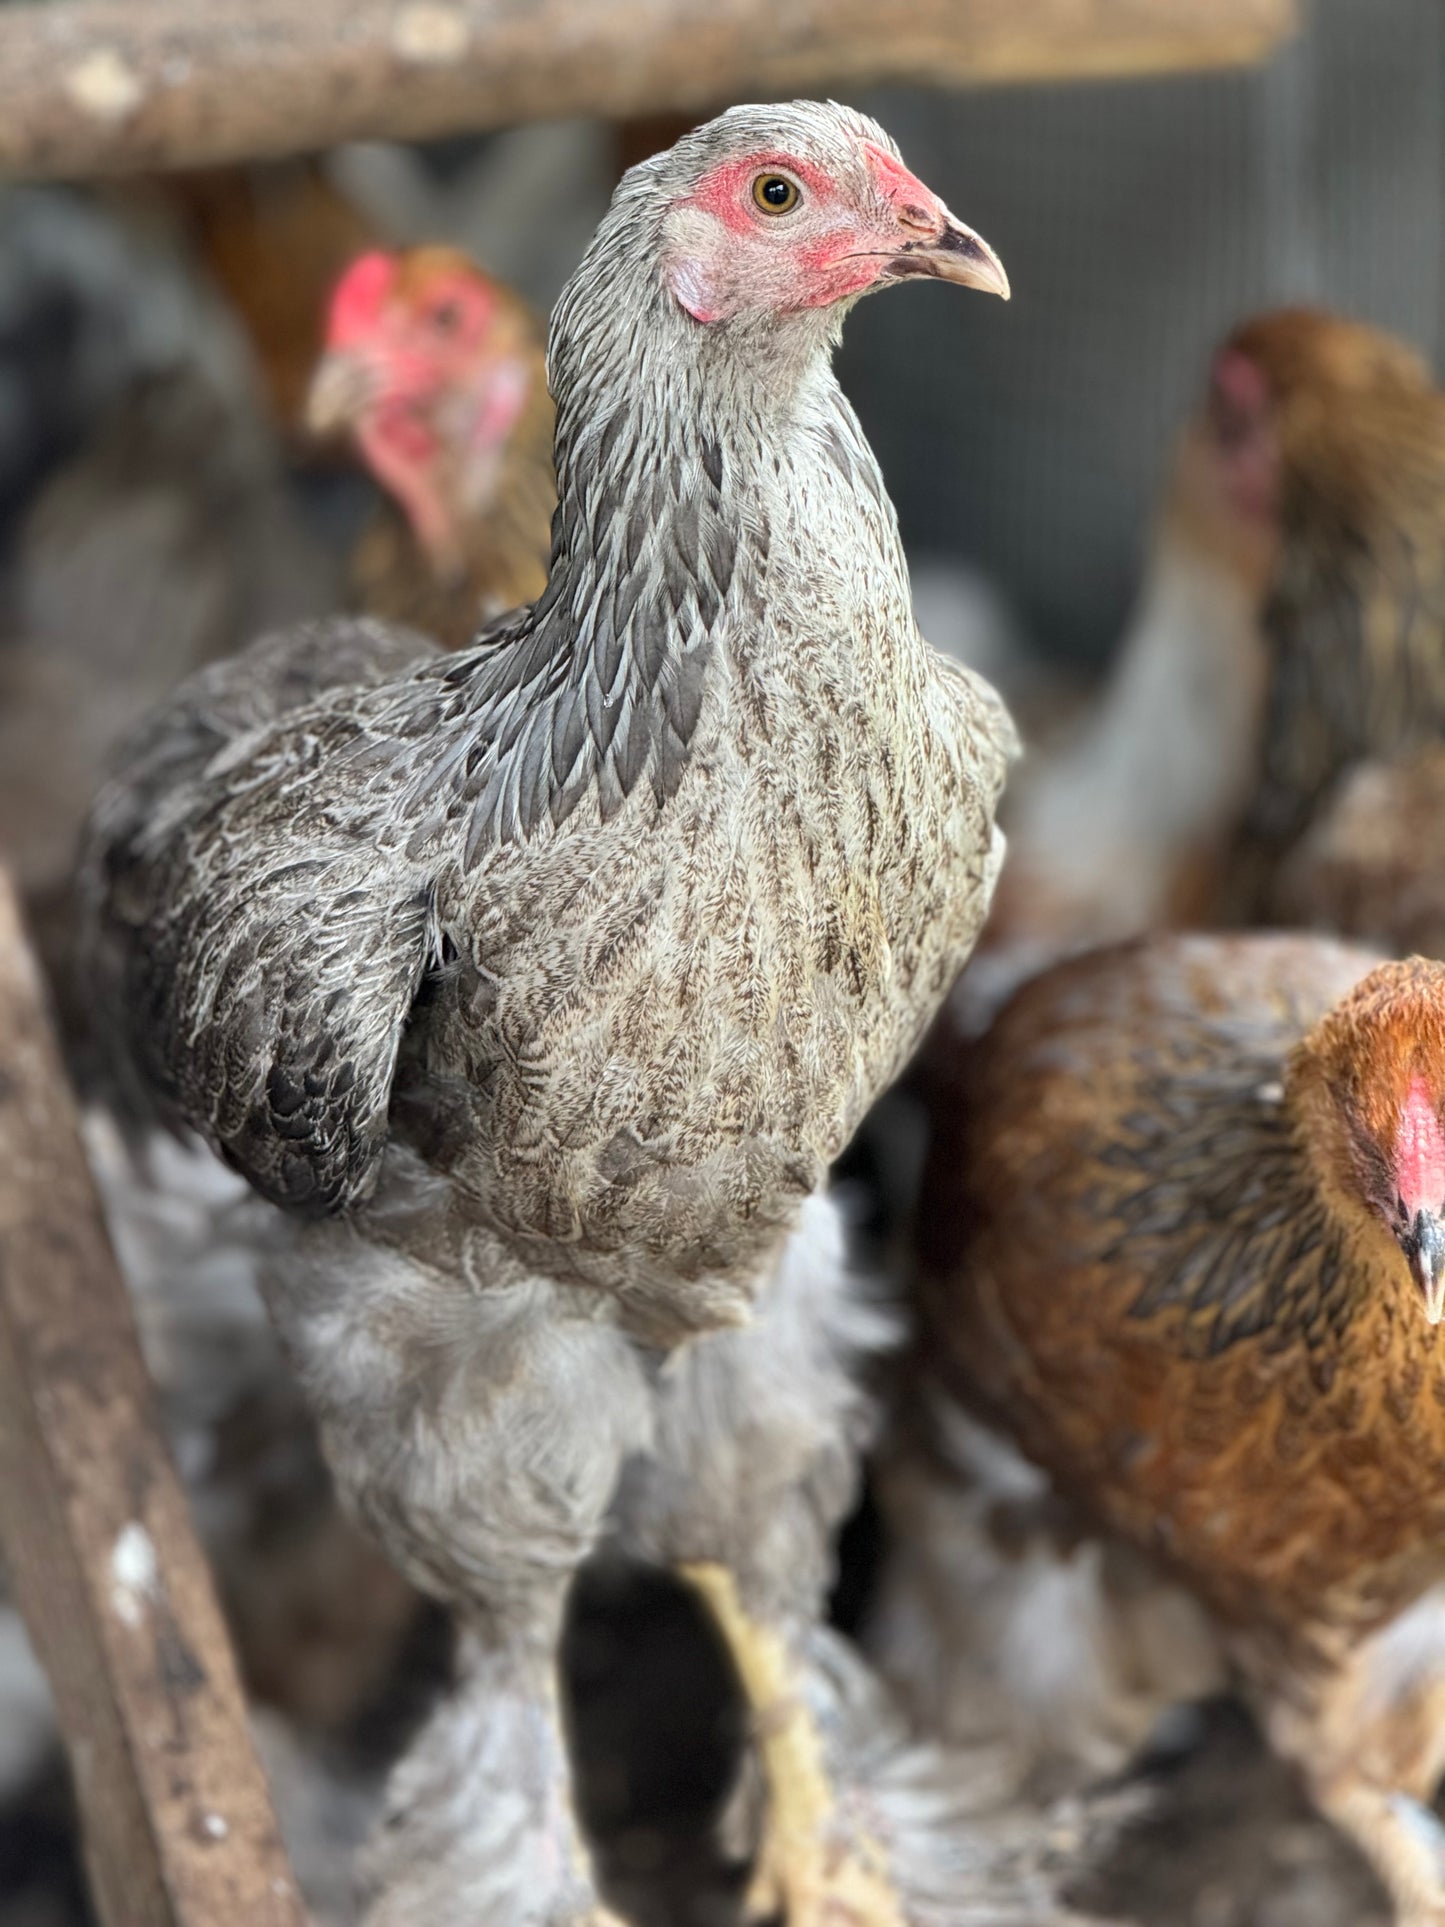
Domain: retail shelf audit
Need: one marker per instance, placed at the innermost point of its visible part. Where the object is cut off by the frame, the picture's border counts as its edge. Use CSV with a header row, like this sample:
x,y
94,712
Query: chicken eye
x,y
446,317
775,193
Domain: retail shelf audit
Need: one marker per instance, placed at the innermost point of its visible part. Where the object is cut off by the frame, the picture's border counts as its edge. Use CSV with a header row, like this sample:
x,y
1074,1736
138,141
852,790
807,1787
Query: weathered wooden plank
x,y
90,87
99,1548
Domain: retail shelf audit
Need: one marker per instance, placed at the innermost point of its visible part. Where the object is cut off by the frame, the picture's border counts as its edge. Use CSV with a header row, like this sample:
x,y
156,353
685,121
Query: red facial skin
x,y
1420,1152
1240,411
837,248
914,204
441,382
727,191
427,335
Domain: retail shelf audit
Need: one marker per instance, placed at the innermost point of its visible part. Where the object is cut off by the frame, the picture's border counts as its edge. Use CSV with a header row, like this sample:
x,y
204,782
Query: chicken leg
x,y
462,1444
806,1870
480,1826
754,1462
490,1428
1369,1736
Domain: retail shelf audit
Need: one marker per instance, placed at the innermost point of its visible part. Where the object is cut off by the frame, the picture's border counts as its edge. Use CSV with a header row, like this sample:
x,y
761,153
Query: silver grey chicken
x,y
539,985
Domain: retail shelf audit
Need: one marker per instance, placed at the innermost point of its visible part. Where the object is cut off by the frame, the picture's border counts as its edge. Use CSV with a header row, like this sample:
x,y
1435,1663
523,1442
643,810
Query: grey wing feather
x,y
251,958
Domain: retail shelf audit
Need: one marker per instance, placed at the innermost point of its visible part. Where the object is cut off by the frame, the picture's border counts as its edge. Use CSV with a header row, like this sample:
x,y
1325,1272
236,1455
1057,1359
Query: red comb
x,y
359,297
1240,381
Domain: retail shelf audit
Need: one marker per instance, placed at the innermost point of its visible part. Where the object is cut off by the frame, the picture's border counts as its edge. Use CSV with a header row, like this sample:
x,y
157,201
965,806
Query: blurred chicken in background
x,y
437,374
1371,865
1277,698
1355,427
1291,628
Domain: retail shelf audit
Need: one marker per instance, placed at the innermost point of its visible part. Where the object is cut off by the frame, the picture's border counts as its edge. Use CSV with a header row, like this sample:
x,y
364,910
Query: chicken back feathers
x,y
1154,1249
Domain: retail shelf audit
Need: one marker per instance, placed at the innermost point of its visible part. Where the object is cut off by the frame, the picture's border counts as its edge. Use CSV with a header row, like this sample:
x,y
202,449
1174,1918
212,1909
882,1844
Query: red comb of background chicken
x,y
1239,380
359,298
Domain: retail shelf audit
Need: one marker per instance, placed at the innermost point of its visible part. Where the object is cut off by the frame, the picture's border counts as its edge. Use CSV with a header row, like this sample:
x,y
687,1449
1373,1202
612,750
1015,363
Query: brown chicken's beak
x,y
958,254
339,391
1427,1249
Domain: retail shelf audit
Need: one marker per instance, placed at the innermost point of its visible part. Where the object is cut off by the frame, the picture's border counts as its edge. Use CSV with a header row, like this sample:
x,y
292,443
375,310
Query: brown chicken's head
x,y
1371,1077
787,210
429,366
1303,414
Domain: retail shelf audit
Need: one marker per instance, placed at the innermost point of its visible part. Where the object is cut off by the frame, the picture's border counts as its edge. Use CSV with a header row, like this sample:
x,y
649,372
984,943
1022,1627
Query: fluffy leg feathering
x,y
482,1446
754,1463
757,1443
1006,1619
1368,1734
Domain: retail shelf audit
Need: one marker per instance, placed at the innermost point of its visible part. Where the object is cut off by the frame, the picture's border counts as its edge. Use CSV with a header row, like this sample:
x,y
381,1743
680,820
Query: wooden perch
x,y
179,1828
90,87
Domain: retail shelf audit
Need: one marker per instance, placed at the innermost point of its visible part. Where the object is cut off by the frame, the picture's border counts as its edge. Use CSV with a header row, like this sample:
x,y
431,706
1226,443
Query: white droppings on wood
x,y
215,1826
134,1574
105,86
430,34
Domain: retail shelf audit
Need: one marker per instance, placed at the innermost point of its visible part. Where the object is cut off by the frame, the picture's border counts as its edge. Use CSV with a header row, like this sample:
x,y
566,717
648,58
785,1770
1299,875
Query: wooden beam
x,y
179,1828
88,87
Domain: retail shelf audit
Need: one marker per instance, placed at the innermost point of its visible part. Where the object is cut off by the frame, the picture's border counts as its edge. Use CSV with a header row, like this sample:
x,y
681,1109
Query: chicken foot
x,y
806,1871
754,1462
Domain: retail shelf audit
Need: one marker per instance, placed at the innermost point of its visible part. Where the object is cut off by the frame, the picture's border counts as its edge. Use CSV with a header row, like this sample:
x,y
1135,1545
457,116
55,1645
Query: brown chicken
x,y
1347,430
438,375
1291,627
1182,1237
